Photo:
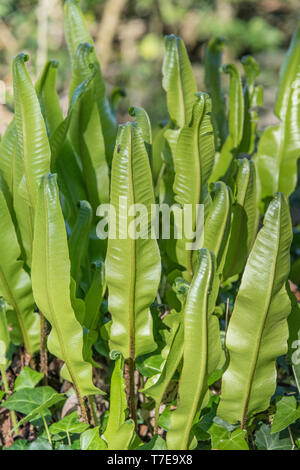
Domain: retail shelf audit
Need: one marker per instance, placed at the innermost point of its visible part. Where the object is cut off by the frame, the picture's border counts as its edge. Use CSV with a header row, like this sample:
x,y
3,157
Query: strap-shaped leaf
x,y
178,81
157,157
213,83
7,154
166,180
194,159
95,296
253,98
278,149
132,265
15,285
63,160
194,155
48,97
157,385
58,138
258,335
88,136
125,438
32,158
4,338
144,123
201,352
118,401
218,223
79,239
33,143
235,124
51,287
245,219
76,32
100,130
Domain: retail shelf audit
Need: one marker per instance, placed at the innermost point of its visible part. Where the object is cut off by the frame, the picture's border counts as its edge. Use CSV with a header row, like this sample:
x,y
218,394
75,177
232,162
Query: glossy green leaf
x,y
178,81
95,296
130,261
51,287
118,401
144,123
157,385
96,120
15,285
40,444
166,178
4,338
222,439
28,400
278,148
75,29
28,378
156,443
287,413
264,440
157,157
33,143
48,97
218,223
294,336
194,159
253,98
79,239
123,439
68,425
201,352
63,160
59,134
40,410
19,444
235,124
8,147
91,440
258,335
213,83
86,132
245,218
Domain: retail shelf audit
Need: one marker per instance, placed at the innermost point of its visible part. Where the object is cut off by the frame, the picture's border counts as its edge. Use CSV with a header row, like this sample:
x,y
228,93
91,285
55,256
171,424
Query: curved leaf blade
x,y
51,283
201,352
257,336
132,265
15,285
178,81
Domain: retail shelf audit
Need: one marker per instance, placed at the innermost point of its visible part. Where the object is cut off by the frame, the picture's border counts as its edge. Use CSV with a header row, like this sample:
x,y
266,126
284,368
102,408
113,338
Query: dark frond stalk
x,y
130,389
43,349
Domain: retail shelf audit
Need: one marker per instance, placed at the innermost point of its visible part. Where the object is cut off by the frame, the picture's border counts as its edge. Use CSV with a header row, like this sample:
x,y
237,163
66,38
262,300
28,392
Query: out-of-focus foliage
x,y
135,49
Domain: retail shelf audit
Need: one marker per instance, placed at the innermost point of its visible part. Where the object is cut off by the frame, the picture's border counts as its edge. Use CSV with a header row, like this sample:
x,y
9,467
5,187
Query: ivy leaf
x,y
40,444
19,444
156,443
33,402
69,424
222,439
91,440
264,440
286,413
28,378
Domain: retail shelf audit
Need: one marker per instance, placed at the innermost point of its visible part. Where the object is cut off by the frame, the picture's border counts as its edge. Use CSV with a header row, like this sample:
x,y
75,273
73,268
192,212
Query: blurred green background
x,y
129,40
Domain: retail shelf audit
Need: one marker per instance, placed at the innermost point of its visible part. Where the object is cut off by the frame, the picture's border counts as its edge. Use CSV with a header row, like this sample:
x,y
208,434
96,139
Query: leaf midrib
x,y
261,330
